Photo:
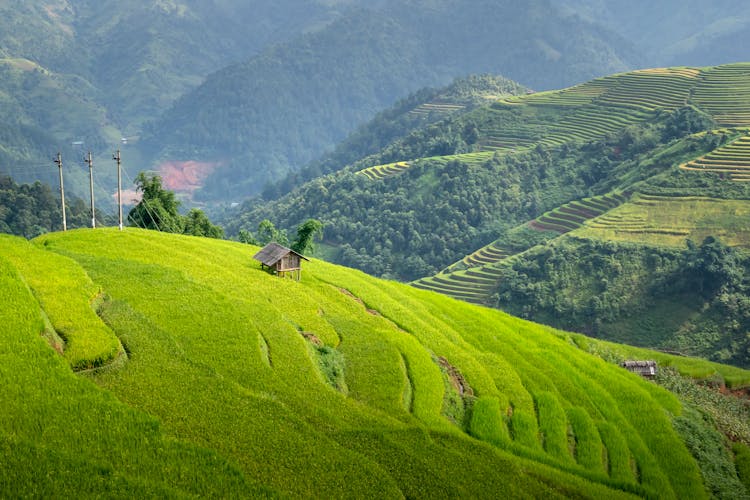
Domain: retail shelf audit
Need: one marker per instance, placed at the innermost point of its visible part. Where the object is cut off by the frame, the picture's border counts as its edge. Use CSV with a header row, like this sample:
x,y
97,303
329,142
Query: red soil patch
x,y
185,176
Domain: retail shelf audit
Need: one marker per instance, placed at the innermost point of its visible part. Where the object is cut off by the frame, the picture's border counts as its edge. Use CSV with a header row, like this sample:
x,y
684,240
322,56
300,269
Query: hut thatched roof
x,y
270,254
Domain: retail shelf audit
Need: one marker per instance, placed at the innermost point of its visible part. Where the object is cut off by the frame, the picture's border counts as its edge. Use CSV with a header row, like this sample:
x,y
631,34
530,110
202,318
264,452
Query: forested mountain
x,y
91,72
494,187
276,112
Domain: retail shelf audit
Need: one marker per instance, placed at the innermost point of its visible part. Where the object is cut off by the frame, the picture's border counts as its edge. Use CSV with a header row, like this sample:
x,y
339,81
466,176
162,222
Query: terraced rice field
x,y
650,89
572,215
577,95
379,172
224,395
475,285
724,91
436,107
593,110
670,221
486,255
732,160
504,138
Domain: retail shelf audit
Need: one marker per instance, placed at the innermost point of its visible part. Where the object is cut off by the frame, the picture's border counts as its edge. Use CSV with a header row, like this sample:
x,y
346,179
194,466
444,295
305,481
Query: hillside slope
x,y
339,384
472,178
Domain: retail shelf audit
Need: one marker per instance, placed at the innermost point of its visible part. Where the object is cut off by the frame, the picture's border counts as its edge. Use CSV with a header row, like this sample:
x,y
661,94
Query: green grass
x,y
488,421
217,363
671,221
588,443
553,426
742,463
618,457
68,297
62,436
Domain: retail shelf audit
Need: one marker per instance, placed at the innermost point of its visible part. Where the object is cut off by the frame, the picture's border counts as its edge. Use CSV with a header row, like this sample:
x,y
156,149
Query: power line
x,y
117,158
91,186
59,163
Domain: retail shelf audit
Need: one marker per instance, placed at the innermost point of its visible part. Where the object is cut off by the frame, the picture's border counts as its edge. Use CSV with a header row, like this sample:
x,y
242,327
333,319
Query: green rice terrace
x,y
731,160
590,111
475,278
672,220
138,364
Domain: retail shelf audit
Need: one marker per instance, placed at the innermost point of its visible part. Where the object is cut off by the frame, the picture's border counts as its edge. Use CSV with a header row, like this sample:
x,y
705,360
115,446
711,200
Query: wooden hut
x,y
646,369
280,260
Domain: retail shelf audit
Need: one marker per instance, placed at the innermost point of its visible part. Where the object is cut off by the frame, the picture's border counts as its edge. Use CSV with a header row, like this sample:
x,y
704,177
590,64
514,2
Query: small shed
x,y
281,260
646,369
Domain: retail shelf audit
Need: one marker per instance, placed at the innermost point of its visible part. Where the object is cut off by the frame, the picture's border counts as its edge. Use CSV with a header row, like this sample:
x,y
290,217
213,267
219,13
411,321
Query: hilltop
x,y
200,374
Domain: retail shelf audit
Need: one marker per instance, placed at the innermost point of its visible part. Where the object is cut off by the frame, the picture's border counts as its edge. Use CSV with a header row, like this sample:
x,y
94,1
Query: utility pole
x,y
117,158
59,162
91,186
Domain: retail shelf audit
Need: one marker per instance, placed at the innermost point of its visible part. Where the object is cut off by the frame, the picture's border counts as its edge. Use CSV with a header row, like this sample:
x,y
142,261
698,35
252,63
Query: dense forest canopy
x,y
30,210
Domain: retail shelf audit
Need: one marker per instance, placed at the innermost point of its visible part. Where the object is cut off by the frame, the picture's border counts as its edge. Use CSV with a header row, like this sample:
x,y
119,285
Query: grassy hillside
x,y
340,384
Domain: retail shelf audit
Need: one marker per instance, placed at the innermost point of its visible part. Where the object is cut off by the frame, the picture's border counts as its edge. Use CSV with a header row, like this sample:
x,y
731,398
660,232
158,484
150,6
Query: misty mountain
x,y
275,112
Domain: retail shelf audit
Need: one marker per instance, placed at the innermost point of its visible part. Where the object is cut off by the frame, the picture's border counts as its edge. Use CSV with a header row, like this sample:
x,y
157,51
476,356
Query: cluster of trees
x,y
694,300
304,243
158,209
29,210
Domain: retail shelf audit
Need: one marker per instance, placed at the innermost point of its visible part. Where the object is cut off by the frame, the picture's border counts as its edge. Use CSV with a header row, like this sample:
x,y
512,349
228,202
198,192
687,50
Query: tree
x,y
158,208
306,233
247,237
197,224
267,233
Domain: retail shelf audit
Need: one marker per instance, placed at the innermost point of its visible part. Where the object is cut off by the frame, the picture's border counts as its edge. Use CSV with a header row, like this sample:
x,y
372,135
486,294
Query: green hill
x,y
419,110
211,377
